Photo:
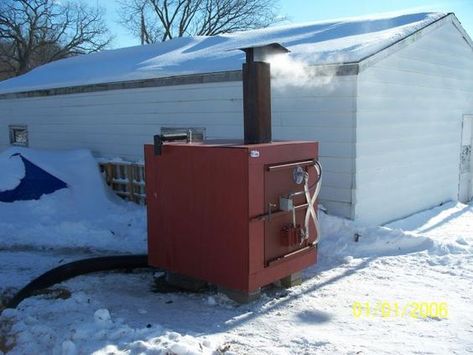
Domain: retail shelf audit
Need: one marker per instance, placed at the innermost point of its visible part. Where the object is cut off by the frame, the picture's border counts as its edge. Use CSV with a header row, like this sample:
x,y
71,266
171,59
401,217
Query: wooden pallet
x,y
126,179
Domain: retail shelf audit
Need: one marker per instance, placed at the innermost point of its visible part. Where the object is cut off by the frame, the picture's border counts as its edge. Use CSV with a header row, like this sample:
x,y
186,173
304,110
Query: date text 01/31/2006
x,y
412,309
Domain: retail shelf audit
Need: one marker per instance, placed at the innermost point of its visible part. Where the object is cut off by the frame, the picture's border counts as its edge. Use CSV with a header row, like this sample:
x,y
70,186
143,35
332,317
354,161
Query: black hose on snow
x,y
76,268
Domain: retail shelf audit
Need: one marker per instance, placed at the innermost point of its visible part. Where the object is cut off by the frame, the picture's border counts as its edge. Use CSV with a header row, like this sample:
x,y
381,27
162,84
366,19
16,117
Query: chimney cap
x,y
262,52
274,48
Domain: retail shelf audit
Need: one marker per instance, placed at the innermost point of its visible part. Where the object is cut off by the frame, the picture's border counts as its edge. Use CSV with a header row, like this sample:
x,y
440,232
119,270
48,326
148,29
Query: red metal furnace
x,y
234,214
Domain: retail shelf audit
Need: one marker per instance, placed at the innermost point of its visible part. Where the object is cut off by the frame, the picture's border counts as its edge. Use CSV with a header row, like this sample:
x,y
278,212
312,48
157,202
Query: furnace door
x,y
281,182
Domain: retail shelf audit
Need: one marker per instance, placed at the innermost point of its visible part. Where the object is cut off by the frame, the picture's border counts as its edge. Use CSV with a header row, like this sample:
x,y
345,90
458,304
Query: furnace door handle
x,y
275,214
270,211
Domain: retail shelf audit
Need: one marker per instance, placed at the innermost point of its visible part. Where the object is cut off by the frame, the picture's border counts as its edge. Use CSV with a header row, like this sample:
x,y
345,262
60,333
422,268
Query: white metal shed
x,y
390,98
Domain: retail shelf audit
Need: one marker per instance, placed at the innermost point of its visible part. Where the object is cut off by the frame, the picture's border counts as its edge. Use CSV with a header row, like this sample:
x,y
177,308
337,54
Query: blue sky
x,y
313,10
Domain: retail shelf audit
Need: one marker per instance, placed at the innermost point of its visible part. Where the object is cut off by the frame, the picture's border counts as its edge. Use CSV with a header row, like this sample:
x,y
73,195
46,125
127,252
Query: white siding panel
x,y
335,194
337,180
409,112
117,123
322,134
162,108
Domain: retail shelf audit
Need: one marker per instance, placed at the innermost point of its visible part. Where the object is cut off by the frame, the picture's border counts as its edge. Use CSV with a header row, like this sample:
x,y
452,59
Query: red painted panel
x,y
202,203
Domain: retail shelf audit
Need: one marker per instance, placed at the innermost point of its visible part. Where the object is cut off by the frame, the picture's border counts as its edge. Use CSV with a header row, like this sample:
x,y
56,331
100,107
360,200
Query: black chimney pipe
x,y
257,102
257,93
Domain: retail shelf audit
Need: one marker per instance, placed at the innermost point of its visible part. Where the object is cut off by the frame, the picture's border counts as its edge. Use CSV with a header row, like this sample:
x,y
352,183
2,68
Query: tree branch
x,y
167,19
34,32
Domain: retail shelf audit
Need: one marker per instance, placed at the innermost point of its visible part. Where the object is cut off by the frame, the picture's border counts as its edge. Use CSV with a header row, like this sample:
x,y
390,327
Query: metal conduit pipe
x,y
311,201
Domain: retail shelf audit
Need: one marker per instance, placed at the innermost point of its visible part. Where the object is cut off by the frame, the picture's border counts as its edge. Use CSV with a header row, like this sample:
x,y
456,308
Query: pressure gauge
x,y
298,175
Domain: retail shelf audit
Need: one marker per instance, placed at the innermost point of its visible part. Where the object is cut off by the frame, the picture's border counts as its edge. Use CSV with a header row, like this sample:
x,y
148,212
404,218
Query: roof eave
x,y
189,79
340,69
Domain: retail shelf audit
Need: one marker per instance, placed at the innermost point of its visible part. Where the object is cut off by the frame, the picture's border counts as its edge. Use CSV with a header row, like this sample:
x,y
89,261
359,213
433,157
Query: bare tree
x,y
161,20
34,32
138,18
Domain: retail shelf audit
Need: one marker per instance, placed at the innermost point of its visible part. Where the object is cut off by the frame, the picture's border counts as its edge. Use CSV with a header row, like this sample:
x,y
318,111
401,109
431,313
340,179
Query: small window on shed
x,y
19,135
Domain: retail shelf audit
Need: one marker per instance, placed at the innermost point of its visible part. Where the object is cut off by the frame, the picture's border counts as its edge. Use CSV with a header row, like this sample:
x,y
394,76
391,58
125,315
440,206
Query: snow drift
x,y
426,257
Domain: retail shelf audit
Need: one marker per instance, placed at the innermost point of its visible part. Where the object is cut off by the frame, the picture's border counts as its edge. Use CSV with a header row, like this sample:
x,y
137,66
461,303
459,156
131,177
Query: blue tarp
x,y
33,185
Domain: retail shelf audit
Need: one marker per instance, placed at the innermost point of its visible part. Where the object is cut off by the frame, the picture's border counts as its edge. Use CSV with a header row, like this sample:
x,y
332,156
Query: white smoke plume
x,y
287,72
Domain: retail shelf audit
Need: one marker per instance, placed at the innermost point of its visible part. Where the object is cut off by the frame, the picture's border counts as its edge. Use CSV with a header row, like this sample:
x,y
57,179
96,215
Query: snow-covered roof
x,y
346,40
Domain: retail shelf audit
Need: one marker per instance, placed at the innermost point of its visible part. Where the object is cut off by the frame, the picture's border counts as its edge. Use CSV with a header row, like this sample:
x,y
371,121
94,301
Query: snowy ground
x,y
426,258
